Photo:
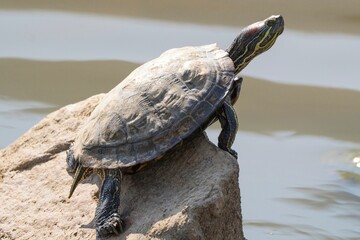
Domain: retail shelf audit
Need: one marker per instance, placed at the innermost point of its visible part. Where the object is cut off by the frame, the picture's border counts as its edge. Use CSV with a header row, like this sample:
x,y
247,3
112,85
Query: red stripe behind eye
x,y
252,29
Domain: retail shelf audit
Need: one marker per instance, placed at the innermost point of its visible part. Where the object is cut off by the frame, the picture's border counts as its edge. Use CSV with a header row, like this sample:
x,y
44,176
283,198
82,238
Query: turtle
x,y
158,106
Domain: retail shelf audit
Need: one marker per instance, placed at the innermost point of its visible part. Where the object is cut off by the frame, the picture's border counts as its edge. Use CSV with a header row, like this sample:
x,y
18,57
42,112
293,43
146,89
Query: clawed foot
x,y
111,226
229,150
233,153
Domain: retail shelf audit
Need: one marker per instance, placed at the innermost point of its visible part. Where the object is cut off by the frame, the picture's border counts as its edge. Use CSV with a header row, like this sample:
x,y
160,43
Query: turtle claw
x,y
112,226
233,153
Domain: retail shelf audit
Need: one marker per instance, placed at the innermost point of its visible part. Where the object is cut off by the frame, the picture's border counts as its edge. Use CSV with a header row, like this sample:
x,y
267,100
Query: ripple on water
x,y
291,187
18,116
36,35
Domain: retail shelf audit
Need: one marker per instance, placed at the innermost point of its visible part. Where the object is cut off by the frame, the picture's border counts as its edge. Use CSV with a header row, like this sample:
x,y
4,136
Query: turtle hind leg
x,y
107,218
229,124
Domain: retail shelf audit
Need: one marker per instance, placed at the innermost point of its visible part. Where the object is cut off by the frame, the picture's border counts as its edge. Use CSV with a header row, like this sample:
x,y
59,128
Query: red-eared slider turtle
x,y
160,104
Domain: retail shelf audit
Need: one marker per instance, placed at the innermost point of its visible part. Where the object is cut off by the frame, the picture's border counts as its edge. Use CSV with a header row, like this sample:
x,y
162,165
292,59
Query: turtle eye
x,y
270,22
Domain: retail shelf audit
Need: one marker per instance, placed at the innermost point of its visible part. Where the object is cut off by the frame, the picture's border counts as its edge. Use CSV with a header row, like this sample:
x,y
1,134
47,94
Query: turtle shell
x,y
157,106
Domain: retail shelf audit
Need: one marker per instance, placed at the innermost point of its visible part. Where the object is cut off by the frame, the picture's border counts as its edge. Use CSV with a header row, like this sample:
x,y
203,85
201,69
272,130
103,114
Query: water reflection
x,y
350,176
298,180
338,205
356,160
291,187
273,230
264,106
46,35
16,117
59,83
325,198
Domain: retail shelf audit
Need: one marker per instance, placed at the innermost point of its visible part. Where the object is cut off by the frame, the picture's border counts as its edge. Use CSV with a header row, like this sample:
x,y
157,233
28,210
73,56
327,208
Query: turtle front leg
x,y
107,218
229,124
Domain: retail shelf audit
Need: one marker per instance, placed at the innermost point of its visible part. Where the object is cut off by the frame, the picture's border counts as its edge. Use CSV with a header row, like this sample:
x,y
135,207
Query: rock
x,y
192,193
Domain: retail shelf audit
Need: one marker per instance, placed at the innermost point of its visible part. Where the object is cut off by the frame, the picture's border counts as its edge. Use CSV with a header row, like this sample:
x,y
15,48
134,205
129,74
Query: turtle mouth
x,y
280,23
266,34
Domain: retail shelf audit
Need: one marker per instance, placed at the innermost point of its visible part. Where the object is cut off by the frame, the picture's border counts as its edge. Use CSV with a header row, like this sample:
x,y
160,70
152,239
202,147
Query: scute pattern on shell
x,y
158,105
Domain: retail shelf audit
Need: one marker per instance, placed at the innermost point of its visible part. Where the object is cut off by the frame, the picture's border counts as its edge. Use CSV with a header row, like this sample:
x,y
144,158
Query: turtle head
x,y
254,40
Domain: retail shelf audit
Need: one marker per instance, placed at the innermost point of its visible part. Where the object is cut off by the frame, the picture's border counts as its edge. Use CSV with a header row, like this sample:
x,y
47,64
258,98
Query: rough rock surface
x,y
192,193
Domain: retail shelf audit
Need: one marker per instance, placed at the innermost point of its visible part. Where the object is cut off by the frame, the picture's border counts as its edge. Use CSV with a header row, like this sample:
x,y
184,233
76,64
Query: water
x,y
292,186
299,109
16,117
58,36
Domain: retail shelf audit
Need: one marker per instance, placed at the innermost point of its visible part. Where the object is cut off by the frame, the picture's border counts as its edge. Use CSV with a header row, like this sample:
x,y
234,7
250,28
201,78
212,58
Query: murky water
x,y
58,36
299,136
294,187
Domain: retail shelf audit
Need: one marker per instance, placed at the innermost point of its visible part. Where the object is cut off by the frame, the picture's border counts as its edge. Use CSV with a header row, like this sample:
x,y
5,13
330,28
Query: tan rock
x,y
192,193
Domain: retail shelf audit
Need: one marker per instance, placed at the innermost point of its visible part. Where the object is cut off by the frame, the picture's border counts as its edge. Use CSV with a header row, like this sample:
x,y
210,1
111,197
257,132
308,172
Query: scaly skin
x,y
107,218
252,41
228,120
